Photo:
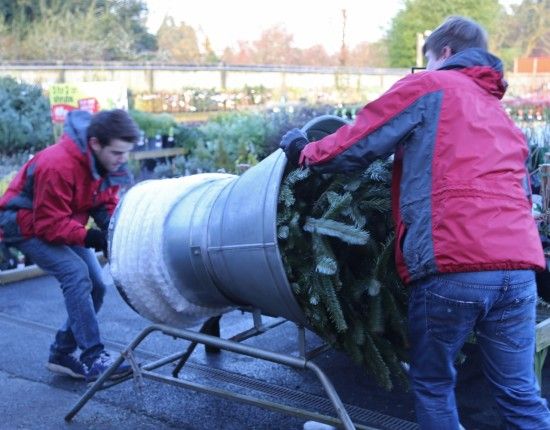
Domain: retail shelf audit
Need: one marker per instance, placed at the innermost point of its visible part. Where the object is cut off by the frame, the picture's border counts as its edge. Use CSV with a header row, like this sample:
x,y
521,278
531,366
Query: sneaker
x,y
102,363
66,364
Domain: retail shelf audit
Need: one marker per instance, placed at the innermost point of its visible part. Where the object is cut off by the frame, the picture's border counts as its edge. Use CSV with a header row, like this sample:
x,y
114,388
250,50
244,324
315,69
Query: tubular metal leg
x,y
216,342
98,384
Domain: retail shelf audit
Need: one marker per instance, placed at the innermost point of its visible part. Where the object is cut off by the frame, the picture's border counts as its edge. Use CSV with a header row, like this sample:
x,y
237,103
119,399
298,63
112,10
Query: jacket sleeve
x,y
102,213
375,133
52,214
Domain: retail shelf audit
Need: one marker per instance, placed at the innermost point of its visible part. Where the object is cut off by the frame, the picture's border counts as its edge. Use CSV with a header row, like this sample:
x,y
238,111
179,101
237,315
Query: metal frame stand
x,y
209,337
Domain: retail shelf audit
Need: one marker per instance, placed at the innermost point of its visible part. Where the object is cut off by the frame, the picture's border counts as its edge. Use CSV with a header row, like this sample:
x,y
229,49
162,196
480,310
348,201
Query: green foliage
x,y
234,138
76,30
10,164
25,122
345,232
152,123
325,259
178,42
336,241
324,286
526,31
200,160
5,181
421,15
132,16
186,136
538,141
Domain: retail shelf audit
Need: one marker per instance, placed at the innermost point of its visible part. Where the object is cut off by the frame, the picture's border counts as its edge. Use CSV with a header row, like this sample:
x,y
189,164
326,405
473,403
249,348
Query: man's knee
x,y
75,275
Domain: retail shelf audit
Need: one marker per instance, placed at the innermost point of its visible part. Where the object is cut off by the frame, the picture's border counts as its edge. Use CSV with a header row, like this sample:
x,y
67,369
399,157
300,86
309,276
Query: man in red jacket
x,y
44,213
466,241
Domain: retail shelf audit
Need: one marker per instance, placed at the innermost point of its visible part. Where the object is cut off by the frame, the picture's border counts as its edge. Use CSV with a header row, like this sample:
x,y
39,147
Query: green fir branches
x,y
336,240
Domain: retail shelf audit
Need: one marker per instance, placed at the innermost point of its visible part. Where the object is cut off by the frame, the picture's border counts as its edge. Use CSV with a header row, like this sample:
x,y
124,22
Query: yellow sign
x,y
88,96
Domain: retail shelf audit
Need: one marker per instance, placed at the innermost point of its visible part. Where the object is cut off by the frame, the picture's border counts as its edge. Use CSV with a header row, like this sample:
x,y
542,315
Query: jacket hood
x,y
76,127
482,67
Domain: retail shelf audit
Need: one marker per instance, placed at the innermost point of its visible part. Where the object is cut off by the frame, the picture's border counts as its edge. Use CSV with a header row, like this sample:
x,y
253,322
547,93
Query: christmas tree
x,y
336,239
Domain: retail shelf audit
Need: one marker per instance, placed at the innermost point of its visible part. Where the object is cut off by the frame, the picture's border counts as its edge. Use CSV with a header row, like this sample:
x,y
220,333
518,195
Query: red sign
x,y
59,112
90,105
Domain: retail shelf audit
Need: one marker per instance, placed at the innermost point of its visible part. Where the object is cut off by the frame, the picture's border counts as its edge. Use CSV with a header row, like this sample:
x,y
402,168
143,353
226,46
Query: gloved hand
x,y
292,143
96,239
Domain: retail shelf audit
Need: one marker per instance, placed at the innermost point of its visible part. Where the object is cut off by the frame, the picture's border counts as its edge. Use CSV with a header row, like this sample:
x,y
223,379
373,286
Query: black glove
x,y
292,143
96,239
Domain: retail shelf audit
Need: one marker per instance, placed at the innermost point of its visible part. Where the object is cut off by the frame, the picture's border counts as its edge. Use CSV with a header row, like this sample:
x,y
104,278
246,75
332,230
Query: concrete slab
x,y
31,397
29,404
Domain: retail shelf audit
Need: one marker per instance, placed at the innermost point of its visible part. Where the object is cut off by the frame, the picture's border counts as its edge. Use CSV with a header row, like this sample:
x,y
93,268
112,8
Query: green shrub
x,y
5,181
152,124
229,141
187,136
9,166
231,138
538,140
25,121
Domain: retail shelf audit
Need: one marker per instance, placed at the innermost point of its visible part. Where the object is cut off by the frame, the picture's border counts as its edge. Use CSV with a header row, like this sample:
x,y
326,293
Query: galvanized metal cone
x,y
219,239
243,252
242,242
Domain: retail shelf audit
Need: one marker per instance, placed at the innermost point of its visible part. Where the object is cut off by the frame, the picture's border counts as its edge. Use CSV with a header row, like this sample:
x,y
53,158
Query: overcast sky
x,y
311,22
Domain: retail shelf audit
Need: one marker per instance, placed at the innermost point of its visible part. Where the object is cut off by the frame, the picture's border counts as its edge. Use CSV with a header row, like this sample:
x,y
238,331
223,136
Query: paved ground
x,y
33,398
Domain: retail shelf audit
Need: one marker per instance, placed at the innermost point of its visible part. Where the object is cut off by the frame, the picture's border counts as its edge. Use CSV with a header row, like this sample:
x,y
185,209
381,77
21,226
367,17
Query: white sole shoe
x,y
62,370
315,425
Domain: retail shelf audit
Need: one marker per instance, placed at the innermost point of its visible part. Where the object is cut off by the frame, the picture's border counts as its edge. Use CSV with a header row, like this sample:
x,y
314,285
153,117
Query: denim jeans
x,y
79,274
500,308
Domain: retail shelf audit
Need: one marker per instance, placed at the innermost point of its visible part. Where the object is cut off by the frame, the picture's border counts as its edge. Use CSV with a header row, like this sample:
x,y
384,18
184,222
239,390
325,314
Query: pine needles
x,y
336,239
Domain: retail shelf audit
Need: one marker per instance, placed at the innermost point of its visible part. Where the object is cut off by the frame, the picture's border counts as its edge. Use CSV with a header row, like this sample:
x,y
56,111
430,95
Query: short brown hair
x,y
458,33
113,124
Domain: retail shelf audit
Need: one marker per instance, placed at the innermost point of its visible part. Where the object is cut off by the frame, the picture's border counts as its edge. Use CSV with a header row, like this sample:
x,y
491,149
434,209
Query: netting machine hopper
x,y
189,248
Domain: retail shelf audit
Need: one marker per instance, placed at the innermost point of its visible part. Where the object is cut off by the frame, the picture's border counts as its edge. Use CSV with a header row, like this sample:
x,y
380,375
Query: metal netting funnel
x,y
242,242
205,243
242,245
213,245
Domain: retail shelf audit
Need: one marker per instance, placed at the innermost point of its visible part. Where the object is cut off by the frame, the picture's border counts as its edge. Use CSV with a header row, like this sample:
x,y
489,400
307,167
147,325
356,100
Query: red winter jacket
x,y
461,194
56,191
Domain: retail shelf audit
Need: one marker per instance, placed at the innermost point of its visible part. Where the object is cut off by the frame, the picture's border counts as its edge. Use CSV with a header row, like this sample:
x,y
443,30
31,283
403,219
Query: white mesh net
x,y
137,251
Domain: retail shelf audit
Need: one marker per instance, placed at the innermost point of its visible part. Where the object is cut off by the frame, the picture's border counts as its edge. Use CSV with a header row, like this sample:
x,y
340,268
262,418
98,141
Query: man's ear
x,y
94,144
446,52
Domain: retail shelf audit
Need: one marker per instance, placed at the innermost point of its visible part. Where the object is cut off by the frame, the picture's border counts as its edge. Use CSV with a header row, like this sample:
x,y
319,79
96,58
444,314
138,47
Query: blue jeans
x,y
500,308
79,274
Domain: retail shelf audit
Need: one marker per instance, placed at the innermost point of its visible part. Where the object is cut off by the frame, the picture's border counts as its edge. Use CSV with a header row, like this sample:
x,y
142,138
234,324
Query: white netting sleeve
x,y
137,250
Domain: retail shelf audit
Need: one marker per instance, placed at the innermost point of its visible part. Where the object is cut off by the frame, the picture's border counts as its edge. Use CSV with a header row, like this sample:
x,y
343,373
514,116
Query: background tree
x,y
243,55
76,30
315,55
132,16
275,46
421,15
23,10
209,56
25,123
529,28
177,42
16,16
367,54
62,34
